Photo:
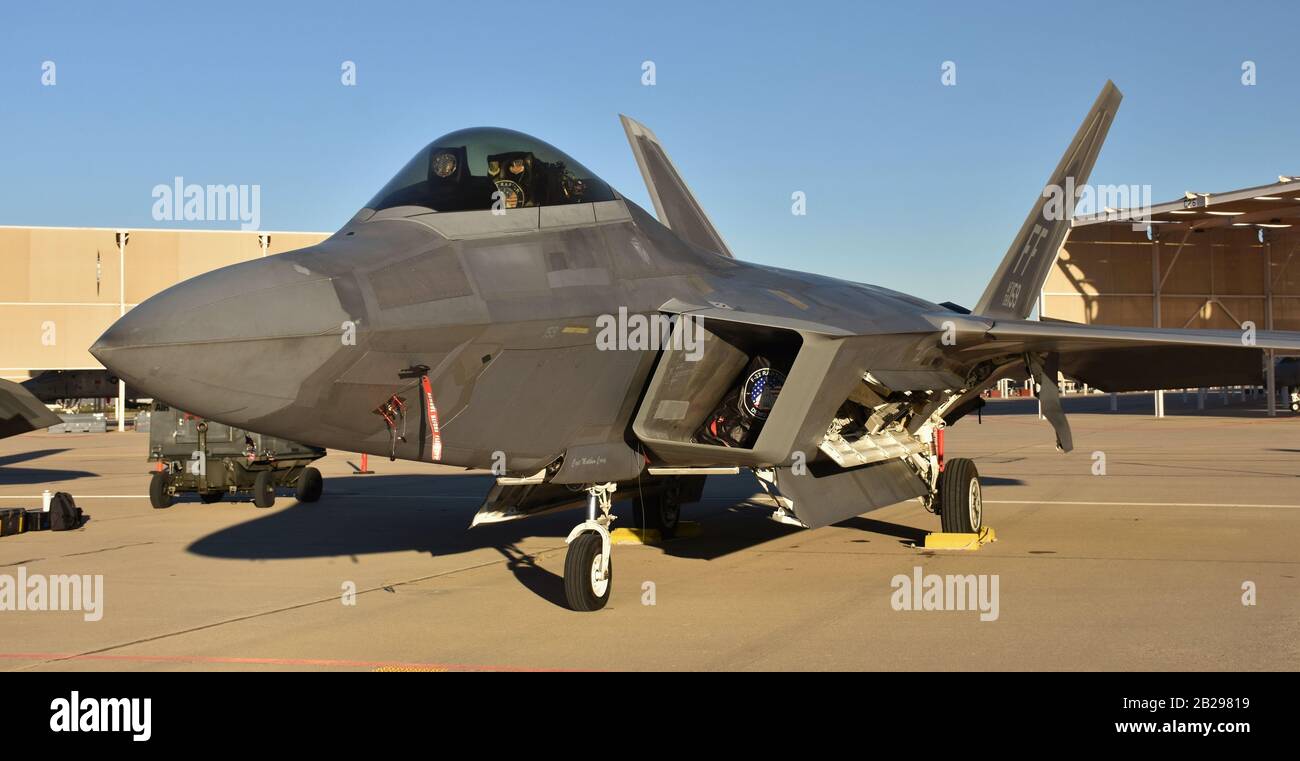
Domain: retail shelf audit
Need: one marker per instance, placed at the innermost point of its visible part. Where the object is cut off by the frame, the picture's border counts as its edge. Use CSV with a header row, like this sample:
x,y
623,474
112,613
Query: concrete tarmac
x,y
1135,551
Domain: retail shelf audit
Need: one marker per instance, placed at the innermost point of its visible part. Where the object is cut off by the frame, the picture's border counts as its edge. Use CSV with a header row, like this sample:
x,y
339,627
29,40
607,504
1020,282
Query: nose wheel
x,y
588,568
587,573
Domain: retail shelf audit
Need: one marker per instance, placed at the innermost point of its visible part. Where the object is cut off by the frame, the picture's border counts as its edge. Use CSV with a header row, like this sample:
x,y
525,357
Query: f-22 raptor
x,y
478,312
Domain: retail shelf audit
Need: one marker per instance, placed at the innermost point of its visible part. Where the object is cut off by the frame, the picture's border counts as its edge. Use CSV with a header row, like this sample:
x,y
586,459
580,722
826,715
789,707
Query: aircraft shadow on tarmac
x,y
35,454
360,515
987,481
11,476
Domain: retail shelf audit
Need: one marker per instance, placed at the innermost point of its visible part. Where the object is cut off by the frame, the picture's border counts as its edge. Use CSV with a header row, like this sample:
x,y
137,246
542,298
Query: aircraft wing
x,y
1140,359
21,412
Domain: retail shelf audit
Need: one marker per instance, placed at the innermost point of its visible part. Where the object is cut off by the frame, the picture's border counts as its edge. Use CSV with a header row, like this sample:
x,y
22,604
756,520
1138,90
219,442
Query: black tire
x,y
581,590
659,512
264,489
309,486
1295,406
158,496
208,497
960,499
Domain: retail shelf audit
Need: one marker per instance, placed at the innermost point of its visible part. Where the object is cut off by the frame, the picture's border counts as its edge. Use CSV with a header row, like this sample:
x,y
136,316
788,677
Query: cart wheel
x,y
158,496
264,489
309,485
208,497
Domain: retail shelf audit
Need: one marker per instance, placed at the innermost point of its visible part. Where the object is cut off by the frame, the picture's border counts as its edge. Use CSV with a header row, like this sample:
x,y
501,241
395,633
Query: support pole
x,y
1156,282
1270,372
1040,319
121,310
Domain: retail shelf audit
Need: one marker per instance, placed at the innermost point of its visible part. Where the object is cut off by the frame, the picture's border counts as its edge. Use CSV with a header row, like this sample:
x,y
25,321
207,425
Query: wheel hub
x,y
975,504
599,582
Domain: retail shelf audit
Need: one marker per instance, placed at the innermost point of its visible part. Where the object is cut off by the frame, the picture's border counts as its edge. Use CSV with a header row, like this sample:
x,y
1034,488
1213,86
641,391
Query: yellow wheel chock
x,y
685,530
945,541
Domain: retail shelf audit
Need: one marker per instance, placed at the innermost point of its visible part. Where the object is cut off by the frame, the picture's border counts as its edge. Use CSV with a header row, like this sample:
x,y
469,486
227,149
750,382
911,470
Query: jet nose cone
x,y
119,336
233,345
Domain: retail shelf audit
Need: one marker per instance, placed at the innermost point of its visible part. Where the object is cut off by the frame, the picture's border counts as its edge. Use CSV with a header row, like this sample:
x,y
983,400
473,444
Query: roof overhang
x,y
1275,206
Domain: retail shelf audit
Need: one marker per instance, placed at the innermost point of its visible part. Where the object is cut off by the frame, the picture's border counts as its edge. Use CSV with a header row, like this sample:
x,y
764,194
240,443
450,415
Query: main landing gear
x,y
659,511
958,499
588,568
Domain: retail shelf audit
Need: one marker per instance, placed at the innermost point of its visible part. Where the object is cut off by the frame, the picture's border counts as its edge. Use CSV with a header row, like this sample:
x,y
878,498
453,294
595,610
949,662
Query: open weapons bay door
x,y
847,428
733,388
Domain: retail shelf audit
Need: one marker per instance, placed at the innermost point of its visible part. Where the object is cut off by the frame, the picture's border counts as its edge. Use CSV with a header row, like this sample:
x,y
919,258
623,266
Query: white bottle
x,y
46,498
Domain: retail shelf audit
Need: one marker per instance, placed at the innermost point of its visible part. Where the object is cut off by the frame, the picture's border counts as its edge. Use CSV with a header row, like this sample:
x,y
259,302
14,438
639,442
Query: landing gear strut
x,y
588,568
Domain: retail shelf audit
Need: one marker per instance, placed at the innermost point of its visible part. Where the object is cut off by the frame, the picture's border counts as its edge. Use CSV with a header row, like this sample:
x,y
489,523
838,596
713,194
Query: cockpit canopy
x,y
490,168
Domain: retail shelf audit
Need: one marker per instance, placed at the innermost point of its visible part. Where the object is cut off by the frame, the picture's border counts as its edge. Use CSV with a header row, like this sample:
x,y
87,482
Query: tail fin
x,y
674,204
1012,291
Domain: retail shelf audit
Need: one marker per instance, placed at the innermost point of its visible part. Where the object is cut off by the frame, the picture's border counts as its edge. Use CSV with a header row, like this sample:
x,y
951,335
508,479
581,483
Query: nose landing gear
x,y
588,568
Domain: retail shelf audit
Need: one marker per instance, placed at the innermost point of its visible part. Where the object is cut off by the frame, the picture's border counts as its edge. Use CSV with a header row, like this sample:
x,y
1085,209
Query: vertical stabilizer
x,y
1013,290
674,203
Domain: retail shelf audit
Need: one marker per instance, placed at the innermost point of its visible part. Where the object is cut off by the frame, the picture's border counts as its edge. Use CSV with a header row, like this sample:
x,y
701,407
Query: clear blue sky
x,y
910,184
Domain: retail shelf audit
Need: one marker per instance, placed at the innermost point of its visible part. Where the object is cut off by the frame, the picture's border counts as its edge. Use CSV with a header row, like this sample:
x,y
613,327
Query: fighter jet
x,y
58,386
498,306
21,412
22,406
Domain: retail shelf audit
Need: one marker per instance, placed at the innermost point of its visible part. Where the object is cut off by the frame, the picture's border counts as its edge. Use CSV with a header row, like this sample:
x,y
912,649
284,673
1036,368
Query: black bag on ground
x,y
64,513
11,521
